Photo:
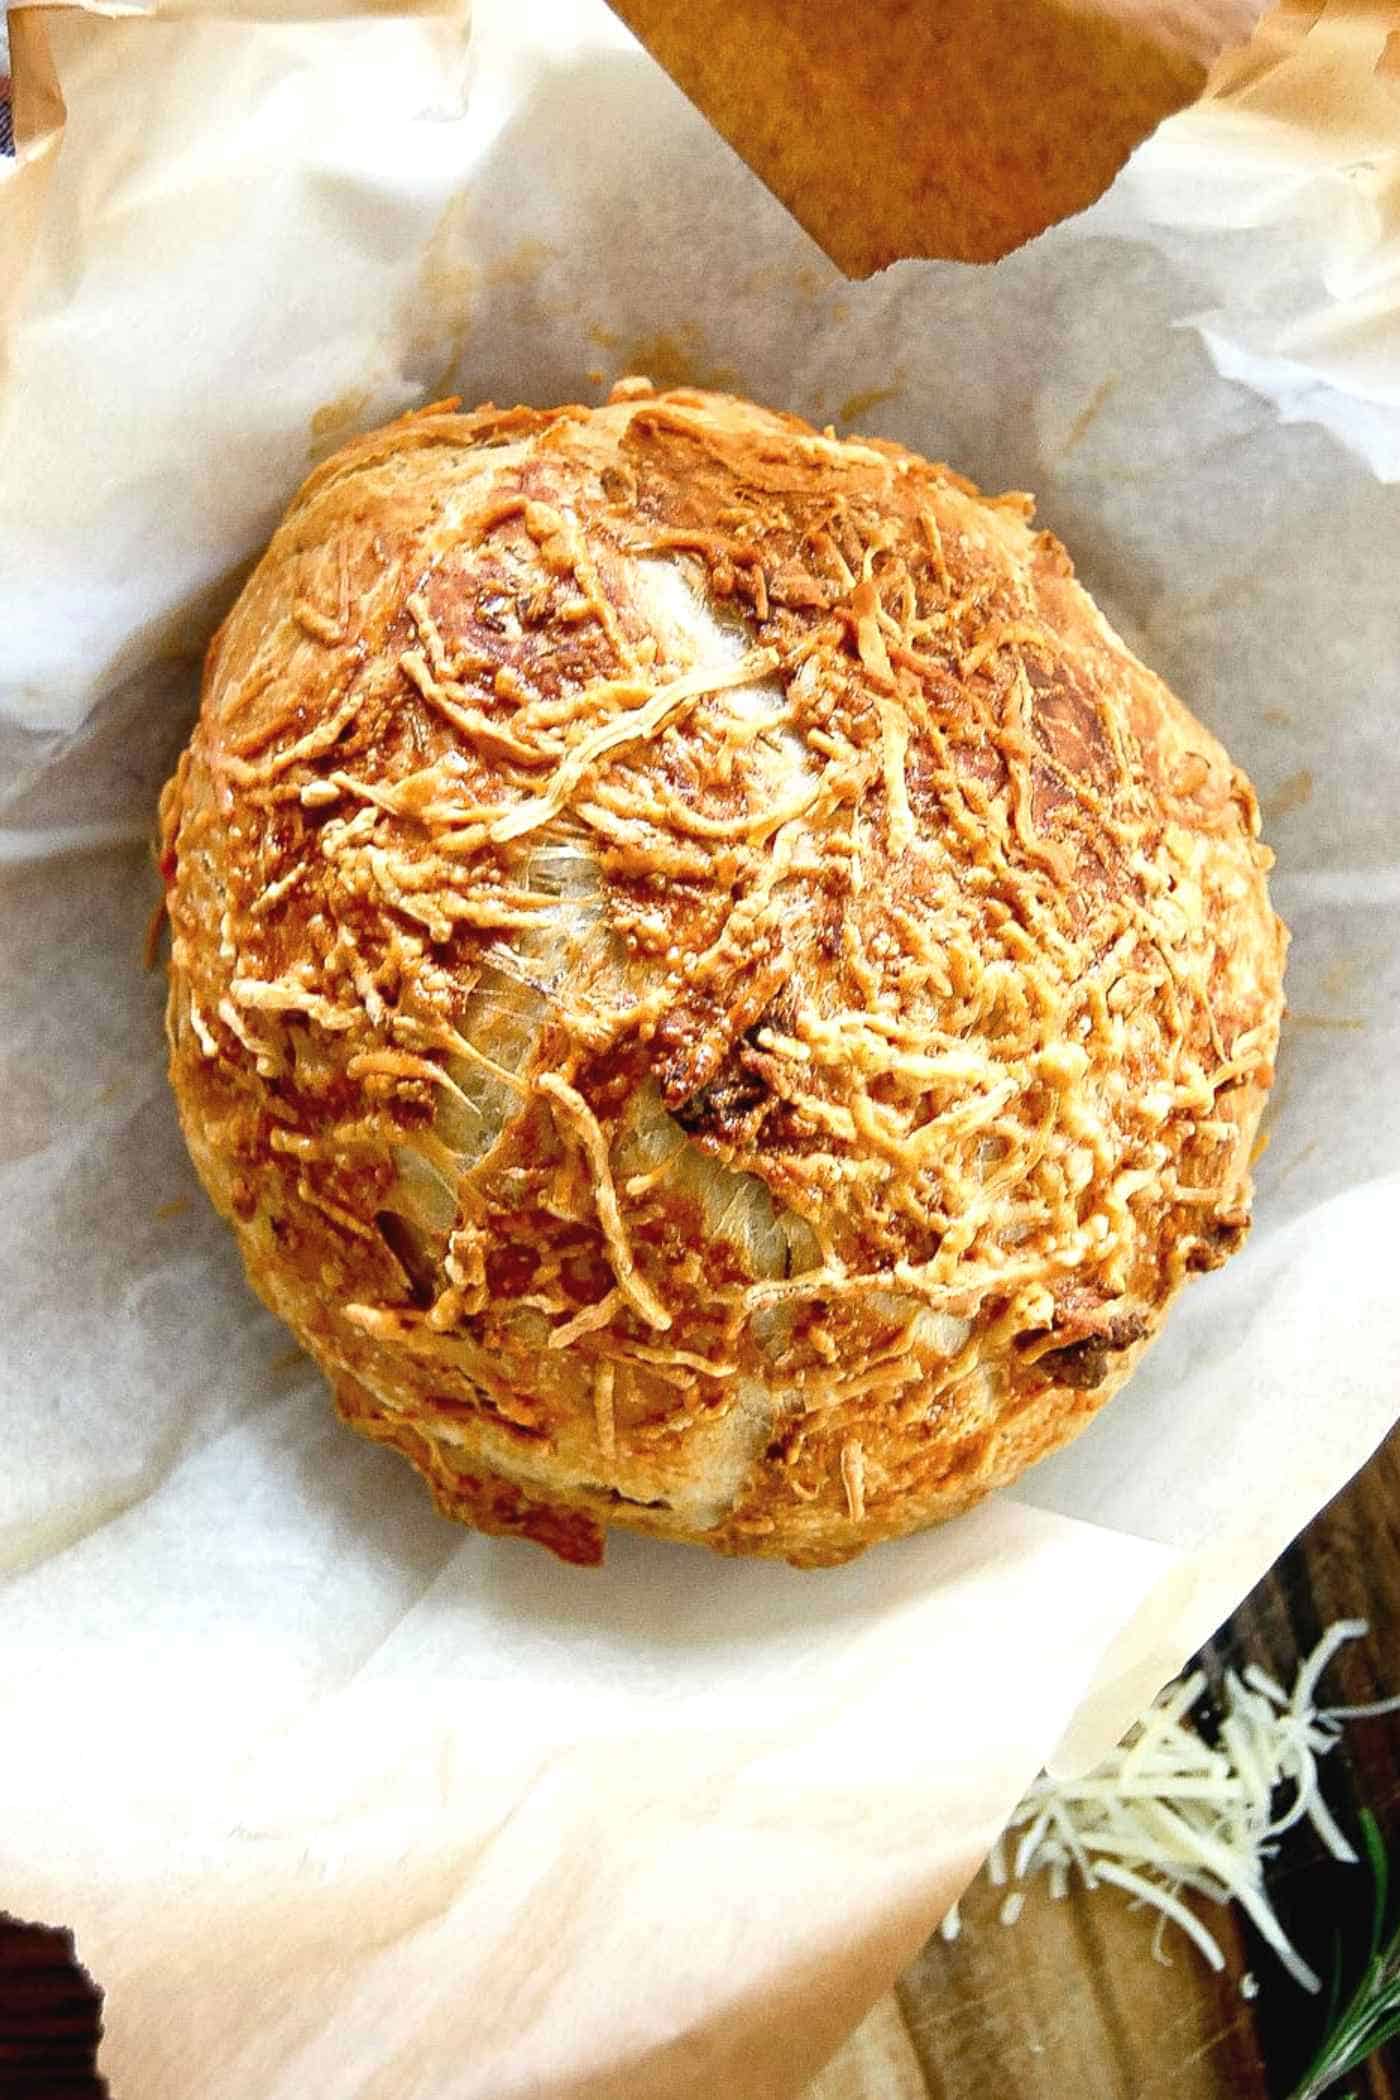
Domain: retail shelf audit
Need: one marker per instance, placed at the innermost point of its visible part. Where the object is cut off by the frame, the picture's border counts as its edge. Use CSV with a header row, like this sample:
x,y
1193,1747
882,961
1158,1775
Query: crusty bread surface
x,y
714,991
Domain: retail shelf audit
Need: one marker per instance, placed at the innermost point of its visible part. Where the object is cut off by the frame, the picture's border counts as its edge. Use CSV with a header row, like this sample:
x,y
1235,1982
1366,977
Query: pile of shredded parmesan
x,y
1166,1815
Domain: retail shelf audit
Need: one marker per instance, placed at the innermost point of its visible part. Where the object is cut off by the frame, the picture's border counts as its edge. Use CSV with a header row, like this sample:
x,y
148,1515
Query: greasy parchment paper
x,y
339,1800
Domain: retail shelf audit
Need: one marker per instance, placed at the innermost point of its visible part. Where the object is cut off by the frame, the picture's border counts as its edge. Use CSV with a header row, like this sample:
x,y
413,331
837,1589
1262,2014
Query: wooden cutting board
x,y
1069,2004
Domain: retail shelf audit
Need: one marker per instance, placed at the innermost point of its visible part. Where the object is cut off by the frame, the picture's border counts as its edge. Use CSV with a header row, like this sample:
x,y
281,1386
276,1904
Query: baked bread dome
x,y
715,993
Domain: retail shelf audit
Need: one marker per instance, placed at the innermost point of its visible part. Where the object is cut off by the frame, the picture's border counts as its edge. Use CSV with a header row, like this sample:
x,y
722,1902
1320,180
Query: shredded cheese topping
x,y
733,990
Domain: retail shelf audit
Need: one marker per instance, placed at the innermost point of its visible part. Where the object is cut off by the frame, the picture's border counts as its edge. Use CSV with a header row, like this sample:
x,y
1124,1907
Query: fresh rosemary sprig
x,y
1371,2016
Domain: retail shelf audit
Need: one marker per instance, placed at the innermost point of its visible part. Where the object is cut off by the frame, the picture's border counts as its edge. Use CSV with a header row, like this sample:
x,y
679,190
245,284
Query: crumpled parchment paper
x,y
341,1801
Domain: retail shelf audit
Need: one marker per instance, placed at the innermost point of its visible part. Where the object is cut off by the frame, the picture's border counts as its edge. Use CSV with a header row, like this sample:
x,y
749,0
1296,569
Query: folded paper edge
x,y
1192,1599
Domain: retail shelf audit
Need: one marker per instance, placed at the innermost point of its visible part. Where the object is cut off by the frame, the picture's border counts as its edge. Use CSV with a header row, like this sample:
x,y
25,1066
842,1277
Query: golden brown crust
x,y
714,991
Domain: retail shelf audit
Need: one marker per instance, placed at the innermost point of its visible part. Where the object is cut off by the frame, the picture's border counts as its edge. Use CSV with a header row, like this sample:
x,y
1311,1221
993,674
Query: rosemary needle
x,y
1371,2016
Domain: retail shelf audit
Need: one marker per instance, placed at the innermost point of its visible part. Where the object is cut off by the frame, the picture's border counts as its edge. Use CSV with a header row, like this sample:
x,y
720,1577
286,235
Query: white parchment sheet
x,y
342,1801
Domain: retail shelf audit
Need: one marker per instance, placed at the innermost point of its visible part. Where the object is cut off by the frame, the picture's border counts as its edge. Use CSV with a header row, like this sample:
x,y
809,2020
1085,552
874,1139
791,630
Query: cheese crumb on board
x,y
1167,1815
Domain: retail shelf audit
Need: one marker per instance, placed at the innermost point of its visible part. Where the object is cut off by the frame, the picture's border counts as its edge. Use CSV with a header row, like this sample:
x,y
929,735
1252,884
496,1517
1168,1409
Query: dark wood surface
x,y
49,2017
1069,2001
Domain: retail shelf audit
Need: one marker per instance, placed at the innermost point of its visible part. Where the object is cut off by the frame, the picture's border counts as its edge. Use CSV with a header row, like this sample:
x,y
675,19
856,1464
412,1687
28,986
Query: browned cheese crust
x,y
715,993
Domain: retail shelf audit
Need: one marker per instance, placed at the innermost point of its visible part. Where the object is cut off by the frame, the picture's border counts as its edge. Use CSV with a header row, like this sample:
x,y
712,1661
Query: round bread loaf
x,y
715,993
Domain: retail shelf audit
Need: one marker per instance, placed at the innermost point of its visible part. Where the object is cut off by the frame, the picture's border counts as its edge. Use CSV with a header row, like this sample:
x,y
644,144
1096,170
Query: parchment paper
x,y
341,1801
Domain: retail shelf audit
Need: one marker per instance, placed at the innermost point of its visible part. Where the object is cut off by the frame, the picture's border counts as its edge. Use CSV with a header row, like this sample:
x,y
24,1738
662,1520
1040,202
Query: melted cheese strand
x,y
634,723
587,1129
